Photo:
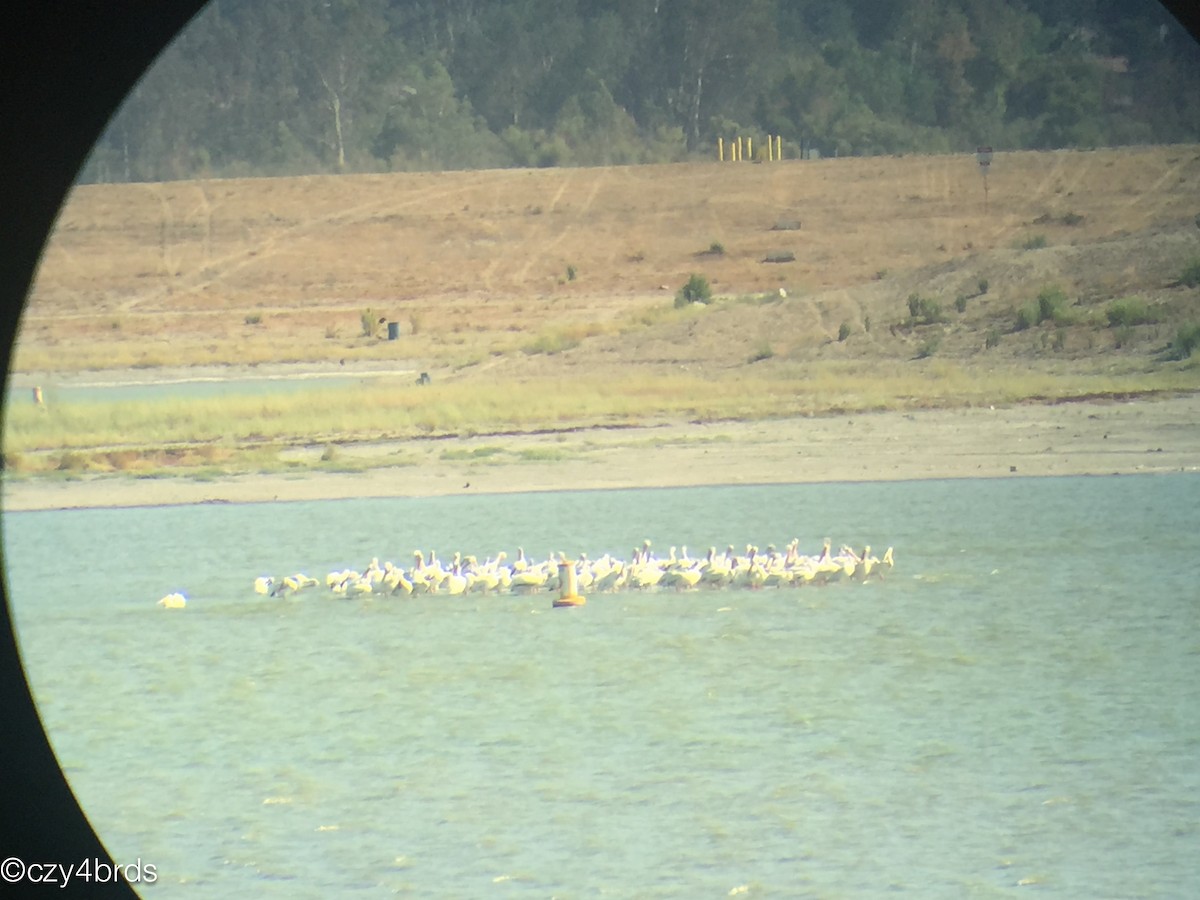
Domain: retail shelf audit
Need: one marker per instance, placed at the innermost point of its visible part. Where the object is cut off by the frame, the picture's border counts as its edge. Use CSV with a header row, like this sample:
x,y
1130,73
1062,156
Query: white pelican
x,y
866,563
297,582
396,581
455,581
612,579
362,585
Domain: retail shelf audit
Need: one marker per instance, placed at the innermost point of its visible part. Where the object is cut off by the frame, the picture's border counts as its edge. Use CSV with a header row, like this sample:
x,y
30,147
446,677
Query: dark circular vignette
x,y
65,66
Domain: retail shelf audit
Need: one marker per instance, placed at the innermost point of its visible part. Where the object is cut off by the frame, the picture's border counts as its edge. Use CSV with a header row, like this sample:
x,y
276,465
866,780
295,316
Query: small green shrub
x,y
696,290
1129,311
960,303
571,273
780,256
716,248
472,453
1027,317
763,352
1051,303
1190,276
924,311
550,342
843,331
1034,242
1187,339
1072,219
370,322
543,454
253,319
992,339
983,286
930,347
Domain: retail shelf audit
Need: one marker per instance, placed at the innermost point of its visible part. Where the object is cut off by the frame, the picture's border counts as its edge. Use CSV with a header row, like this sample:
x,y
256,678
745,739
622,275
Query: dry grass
x,y
213,429
261,271
182,268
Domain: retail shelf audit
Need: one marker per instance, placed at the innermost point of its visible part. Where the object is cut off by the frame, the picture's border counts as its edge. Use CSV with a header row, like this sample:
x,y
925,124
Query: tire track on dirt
x,y
167,223
543,248
1051,182
568,177
222,267
487,276
816,304
1151,191
940,188
205,209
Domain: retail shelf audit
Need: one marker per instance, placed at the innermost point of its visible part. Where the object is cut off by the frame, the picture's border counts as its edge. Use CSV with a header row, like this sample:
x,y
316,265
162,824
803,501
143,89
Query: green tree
x,y
427,126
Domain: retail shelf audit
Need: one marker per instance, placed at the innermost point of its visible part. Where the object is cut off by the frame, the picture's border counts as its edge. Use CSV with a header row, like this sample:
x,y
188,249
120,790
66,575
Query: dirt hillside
x,y
475,267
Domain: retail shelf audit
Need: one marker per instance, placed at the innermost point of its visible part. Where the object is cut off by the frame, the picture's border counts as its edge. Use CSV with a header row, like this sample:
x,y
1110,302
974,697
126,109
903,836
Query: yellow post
x,y
740,157
750,148
778,147
568,591
770,148
720,149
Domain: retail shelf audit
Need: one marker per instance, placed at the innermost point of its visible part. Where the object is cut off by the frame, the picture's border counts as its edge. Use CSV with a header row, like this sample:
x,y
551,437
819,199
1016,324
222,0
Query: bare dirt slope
x,y
476,263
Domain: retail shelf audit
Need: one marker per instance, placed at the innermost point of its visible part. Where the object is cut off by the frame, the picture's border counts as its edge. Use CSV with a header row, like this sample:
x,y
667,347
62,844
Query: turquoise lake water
x,y
187,389
1015,709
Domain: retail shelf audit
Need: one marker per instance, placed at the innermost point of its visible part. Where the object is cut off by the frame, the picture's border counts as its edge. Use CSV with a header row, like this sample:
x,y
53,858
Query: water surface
x,y
1014,708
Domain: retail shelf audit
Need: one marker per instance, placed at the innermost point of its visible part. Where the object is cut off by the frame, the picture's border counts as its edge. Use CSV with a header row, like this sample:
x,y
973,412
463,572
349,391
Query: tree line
x,y
272,87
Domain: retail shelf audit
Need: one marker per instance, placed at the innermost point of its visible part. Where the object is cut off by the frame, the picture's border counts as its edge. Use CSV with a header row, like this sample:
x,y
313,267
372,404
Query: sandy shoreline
x,y
1085,438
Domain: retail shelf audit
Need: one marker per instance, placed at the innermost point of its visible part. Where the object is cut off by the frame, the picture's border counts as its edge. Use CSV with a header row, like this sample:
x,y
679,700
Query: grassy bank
x,y
250,433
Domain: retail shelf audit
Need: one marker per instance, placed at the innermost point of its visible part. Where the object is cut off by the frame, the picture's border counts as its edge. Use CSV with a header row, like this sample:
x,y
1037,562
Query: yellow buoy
x,y
568,592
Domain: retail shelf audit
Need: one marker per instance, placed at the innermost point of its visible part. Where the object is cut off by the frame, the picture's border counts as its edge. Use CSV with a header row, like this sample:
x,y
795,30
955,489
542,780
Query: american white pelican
x,y
397,582
866,564
455,581
776,567
613,578
361,585
297,582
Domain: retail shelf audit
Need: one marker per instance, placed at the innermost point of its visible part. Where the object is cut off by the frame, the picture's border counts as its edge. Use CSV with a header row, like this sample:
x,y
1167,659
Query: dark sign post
x,y
984,155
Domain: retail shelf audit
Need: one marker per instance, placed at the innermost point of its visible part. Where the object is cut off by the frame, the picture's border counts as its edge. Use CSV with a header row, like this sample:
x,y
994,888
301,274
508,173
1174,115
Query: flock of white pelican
x,y
607,574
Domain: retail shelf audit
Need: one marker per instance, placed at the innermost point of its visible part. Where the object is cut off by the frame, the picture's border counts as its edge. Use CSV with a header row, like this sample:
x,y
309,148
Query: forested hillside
x,y
269,87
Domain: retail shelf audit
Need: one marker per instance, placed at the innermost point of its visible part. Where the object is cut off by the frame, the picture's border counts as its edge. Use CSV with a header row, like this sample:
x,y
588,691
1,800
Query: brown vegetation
x,y
282,269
